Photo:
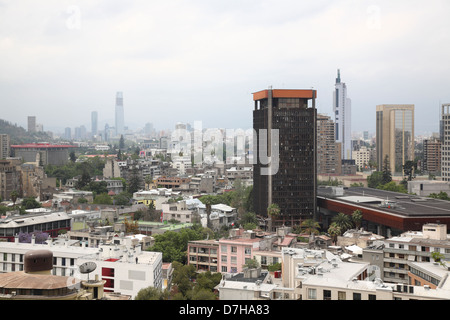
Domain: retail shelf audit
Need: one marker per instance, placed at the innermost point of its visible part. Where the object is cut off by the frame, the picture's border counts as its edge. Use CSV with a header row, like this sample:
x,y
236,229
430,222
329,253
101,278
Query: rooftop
x,y
396,203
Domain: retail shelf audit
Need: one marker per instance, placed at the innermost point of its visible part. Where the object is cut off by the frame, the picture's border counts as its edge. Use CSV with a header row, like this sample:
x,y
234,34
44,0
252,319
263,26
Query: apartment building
x,y
5,143
50,223
328,151
177,211
431,156
203,255
361,157
123,266
413,246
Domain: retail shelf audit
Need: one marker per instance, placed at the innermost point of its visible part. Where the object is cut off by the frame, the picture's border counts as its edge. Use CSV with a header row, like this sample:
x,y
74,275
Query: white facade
x,y
361,157
119,114
122,264
342,117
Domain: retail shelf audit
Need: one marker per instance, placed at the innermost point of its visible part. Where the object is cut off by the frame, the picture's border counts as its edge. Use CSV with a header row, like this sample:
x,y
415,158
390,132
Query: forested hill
x,y
19,135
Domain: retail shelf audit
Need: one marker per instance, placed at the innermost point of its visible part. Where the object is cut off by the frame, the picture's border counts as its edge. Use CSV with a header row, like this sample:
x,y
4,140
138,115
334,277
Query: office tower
x,y
342,107
288,177
31,124
94,123
431,156
119,114
445,141
395,135
68,133
5,144
328,157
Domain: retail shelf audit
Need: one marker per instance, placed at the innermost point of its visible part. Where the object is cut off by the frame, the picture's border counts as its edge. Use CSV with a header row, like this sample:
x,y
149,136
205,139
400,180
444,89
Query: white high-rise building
x,y
119,114
94,123
342,106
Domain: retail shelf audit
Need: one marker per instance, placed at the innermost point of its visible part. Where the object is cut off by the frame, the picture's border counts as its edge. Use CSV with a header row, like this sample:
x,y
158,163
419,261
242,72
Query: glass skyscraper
x,y
395,135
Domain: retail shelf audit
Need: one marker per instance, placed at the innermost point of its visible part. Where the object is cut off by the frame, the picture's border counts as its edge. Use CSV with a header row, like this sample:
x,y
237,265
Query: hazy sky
x,y
201,60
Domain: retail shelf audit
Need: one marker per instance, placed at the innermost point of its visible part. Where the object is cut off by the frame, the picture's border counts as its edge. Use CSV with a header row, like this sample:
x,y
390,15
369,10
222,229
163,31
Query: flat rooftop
x,y
394,202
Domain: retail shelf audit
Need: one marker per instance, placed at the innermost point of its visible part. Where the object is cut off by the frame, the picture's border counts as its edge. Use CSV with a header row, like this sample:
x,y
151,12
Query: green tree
x,y
151,293
208,201
14,195
375,179
148,181
173,245
182,275
387,175
102,198
334,231
30,203
441,195
310,226
357,217
121,143
408,169
251,264
85,177
135,180
273,211
122,199
72,156
249,218
343,221
392,186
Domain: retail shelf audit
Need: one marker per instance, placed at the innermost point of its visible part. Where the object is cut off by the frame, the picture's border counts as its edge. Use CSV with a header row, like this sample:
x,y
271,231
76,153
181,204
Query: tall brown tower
x,y
289,179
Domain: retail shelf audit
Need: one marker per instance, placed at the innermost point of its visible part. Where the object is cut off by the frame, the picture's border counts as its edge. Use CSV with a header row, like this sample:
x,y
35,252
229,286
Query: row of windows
x,y
418,248
37,227
341,295
234,249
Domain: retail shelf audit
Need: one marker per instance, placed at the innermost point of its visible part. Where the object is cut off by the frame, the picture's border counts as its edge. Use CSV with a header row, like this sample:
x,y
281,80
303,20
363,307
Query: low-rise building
x,y
413,246
203,255
48,222
122,264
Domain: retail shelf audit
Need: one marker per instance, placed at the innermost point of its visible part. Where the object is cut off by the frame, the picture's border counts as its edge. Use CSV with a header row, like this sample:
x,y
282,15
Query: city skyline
x,y
201,61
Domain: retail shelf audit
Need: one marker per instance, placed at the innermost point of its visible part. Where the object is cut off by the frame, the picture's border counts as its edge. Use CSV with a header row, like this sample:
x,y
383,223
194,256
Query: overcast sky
x,y
201,60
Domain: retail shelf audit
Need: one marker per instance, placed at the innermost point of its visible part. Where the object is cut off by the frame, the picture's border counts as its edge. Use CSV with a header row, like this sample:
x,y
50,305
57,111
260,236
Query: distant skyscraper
x,y
119,114
94,123
342,107
395,135
432,156
445,141
31,124
5,144
68,133
293,186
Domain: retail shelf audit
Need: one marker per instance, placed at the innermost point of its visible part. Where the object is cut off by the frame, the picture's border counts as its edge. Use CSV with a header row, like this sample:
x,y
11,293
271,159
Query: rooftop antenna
x,y
87,268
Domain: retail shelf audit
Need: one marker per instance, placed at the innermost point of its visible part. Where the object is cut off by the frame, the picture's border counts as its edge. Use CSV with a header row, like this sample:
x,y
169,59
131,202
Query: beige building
x,y
5,143
395,135
328,151
361,157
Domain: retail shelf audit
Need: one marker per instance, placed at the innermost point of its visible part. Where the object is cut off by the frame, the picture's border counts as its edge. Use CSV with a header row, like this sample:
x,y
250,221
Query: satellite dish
x,y
88,267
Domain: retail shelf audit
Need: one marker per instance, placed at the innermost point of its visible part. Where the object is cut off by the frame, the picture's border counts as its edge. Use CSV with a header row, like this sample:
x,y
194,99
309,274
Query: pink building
x,y
234,253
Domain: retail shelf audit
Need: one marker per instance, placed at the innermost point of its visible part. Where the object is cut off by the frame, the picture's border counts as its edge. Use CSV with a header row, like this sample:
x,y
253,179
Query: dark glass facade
x,y
293,186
